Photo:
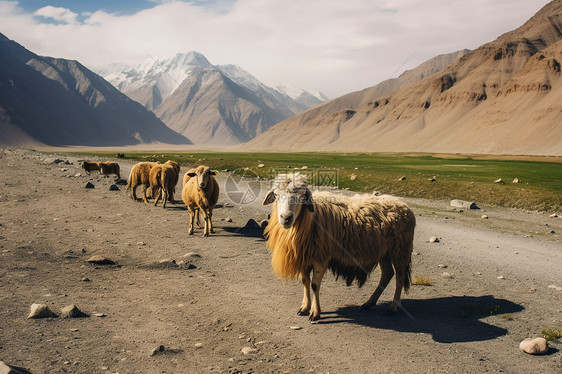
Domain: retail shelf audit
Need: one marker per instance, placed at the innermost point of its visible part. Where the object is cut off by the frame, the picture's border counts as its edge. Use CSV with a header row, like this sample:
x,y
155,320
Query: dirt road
x,y
503,283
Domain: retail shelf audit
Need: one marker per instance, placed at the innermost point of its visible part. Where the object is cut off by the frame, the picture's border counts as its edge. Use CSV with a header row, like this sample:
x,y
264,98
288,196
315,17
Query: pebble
x,y
101,315
434,239
553,215
402,178
447,275
71,311
228,219
41,311
353,177
442,266
198,345
261,165
501,277
100,260
295,327
484,216
249,350
499,181
157,350
536,346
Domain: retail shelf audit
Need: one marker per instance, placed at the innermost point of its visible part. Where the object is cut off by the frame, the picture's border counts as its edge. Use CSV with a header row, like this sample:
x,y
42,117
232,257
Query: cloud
x,y
329,45
62,15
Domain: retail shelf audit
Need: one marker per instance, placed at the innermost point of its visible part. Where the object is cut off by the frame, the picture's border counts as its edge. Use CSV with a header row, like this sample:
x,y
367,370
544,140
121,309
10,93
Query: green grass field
x,y
456,177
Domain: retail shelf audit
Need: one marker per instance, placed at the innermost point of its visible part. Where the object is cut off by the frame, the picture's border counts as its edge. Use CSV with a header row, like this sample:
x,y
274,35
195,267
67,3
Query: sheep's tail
x,y
130,181
408,278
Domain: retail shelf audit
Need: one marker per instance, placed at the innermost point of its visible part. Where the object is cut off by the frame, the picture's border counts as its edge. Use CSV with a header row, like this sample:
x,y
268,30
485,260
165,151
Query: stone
x,y
261,165
41,311
71,311
114,187
89,185
484,216
516,180
434,239
78,175
157,350
249,350
463,204
252,224
295,327
402,178
501,277
447,275
228,219
499,181
432,179
353,177
442,266
100,260
536,346
198,345
553,215
9,369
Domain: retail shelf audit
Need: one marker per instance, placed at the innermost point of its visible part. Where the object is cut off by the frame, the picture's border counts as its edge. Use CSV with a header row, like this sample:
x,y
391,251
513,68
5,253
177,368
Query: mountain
x,y
504,97
218,105
45,100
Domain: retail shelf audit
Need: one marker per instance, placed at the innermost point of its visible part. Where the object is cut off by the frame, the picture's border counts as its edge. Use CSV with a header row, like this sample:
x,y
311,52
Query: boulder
x,y
463,204
536,346
71,311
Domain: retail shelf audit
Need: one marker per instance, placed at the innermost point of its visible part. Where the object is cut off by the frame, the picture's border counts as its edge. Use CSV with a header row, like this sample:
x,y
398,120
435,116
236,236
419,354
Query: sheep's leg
x,y
211,228
198,220
191,220
207,223
304,310
317,275
398,292
144,197
164,197
156,196
387,272
134,193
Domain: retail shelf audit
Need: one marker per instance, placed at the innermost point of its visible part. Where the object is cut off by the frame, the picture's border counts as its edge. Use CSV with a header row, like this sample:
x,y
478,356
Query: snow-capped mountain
x,y
197,98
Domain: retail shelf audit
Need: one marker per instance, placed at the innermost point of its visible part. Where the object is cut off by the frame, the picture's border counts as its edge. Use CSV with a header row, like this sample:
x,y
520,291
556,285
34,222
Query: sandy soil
x,y
504,284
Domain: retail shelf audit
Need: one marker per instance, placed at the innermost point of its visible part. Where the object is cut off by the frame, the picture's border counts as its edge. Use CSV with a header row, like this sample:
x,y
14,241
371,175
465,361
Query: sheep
x,y
163,180
140,175
89,166
109,167
105,168
200,192
348,235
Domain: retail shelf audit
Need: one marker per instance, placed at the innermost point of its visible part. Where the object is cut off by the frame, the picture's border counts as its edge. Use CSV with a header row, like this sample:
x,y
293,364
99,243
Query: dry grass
x,y
551,335
421,280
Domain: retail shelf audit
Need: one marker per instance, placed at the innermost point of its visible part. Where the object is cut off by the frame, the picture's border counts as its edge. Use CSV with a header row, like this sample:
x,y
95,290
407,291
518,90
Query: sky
x,y
332,46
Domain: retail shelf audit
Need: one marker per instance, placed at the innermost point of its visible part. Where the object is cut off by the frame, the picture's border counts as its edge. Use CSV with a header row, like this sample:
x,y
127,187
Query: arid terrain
x,y
220,299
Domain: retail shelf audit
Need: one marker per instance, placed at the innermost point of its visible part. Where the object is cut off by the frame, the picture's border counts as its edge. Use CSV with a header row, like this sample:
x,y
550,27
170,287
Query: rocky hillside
x,y
58,102
503,97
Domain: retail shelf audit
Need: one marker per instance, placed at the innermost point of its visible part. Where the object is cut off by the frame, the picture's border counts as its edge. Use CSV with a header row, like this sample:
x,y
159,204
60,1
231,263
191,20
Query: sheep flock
x,y
309,232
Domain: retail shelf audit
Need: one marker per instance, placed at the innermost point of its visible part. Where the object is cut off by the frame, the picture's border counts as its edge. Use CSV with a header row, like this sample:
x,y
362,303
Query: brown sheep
x,y
348,235
89,166
200,192
109,167
163,180
140,175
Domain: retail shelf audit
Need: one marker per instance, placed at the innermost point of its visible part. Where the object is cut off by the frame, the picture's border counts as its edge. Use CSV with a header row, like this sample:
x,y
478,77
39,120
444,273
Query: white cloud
x,y
330,45
58,14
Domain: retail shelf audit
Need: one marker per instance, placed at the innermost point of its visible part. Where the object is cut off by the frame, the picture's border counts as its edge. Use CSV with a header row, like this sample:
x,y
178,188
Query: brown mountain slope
x,y
504,97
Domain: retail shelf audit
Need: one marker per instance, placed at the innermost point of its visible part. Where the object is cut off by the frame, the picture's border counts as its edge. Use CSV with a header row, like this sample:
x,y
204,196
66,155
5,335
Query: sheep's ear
x,y
269,198
214,172
191,174
308,204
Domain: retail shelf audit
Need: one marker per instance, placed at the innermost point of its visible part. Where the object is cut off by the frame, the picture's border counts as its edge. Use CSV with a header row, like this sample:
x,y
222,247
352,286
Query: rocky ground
x,y
174,303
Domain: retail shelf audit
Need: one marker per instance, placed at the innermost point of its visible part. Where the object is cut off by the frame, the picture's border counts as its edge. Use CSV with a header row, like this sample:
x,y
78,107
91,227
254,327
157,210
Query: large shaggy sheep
x,y
109,167
200,192
163,179
140,175
348,235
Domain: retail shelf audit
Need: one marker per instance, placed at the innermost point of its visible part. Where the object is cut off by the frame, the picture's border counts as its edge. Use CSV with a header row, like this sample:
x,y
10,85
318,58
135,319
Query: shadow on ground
x,y
446,319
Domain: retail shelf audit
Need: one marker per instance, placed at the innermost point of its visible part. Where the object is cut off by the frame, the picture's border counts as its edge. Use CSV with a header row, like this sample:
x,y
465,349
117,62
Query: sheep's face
x,y
203,176
291,195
